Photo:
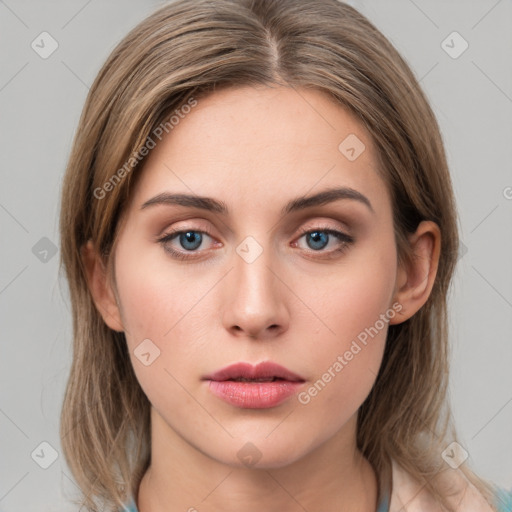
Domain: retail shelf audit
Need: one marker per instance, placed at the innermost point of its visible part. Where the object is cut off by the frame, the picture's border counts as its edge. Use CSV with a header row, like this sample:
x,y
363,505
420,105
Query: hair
x,y
189,49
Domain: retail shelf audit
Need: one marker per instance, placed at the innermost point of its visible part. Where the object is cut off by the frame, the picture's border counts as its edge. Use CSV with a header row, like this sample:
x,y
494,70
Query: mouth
x,y
243,379
246,372
245,386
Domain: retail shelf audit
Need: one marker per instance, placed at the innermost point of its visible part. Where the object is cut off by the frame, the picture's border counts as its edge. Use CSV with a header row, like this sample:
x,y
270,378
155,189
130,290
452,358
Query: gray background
x,y
40,102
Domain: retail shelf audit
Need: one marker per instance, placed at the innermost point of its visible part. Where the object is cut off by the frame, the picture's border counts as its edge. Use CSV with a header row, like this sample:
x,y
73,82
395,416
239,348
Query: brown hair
x,y
189,49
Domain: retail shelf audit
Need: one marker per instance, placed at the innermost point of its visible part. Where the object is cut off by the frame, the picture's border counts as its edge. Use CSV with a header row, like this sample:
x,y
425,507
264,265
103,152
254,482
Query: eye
x,y
189,241
186,243
319,238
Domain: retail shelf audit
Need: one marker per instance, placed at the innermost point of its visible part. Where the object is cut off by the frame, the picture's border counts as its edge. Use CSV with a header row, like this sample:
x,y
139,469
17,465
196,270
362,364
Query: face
x,y
257,273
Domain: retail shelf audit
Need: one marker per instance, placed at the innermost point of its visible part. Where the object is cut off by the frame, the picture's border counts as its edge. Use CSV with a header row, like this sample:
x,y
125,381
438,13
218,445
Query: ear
x,y
101,288
415,280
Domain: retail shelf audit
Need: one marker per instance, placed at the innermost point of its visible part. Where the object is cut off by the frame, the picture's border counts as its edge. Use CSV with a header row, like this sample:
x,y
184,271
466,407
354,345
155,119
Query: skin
x,y
255,149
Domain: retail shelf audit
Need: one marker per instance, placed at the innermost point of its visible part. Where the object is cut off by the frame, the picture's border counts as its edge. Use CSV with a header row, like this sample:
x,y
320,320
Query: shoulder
x,y
409,496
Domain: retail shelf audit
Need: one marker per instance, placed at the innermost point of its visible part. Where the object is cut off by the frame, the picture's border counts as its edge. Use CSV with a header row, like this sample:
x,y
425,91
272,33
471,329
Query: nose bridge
x,y
254,280
255,303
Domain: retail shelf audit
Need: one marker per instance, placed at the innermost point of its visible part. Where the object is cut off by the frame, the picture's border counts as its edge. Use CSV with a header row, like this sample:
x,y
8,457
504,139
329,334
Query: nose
x,y
255,295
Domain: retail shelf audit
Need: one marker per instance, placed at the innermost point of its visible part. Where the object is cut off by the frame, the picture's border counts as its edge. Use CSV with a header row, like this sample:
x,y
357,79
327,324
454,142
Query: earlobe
x,y
100,287
415,281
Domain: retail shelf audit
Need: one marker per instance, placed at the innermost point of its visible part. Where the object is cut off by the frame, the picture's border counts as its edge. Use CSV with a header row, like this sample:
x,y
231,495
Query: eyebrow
x,y
297,204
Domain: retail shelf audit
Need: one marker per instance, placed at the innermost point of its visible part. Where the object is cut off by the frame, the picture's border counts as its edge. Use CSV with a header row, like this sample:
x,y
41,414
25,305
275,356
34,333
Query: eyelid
x,y
340,234
323,225
335,228
167,234
344,240
182,255
205,230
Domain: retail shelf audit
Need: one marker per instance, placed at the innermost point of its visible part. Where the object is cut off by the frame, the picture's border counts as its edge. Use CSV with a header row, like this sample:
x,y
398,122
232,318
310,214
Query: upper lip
x,y
264,370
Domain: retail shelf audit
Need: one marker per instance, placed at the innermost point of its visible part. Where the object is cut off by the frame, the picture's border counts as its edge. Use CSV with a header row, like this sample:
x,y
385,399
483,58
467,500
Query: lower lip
x,y
254,395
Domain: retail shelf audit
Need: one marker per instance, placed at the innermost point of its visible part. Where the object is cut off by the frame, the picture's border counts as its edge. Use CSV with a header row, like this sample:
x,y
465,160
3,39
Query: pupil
x,y
319,240
191,240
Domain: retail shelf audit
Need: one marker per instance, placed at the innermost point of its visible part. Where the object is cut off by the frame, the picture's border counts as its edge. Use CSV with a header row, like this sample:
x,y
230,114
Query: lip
x,y
264,370
255,394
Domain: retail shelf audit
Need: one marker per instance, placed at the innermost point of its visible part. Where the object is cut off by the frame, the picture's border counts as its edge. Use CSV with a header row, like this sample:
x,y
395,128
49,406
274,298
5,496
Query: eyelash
x,y
346,241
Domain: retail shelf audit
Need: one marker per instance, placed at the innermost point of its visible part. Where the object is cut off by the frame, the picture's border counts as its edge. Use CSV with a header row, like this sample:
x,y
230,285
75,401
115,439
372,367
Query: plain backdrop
x,y
40,103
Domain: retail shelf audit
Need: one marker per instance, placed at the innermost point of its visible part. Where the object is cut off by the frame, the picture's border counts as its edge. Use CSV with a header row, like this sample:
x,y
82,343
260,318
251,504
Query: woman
x,y
259,233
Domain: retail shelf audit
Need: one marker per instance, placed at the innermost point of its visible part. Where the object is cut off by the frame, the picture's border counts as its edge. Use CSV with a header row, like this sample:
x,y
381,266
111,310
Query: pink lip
x,y
254,395
263,370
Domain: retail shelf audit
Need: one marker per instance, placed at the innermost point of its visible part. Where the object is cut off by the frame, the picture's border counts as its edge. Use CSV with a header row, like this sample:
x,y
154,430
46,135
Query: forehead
x,y
250,143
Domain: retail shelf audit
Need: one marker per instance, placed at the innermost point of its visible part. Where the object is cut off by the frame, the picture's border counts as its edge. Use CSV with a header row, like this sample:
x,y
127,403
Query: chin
x,y
256,453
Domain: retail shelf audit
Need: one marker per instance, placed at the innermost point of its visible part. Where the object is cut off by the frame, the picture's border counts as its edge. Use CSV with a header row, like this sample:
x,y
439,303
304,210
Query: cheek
x,y
351,298
167,305
156,295
356,306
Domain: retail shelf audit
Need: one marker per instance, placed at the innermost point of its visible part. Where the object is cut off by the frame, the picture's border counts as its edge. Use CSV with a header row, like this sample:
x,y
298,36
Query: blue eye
x,y
189,240
317,240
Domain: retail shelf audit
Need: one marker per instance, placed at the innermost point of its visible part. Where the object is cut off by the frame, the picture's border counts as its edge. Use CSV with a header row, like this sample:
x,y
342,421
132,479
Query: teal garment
x,y
503,500
384,503
130,507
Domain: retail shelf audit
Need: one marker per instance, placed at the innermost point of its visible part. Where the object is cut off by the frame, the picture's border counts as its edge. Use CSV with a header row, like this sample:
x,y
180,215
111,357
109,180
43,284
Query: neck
x,y
333,476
